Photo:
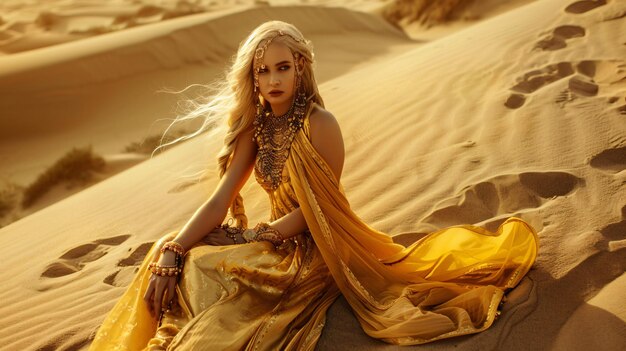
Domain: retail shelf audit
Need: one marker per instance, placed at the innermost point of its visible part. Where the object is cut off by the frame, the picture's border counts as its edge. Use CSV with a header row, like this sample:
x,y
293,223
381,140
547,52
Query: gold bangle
x,y
271,237
163,270
173,246
265,232
263,227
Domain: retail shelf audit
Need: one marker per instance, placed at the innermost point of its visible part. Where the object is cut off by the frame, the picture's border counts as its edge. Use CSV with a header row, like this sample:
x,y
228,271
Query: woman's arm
x,y
327,140
212,212
204,220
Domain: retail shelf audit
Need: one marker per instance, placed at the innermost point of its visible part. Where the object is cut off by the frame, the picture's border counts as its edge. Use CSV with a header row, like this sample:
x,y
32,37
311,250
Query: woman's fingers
x,y
171,290
158,295
155,291
147,296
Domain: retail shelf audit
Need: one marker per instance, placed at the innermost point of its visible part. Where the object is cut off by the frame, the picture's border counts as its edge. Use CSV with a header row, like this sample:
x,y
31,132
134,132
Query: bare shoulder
x,y
321,119
327,139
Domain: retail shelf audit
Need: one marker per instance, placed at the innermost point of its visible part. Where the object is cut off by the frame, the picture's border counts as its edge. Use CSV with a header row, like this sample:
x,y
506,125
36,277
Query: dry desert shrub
x,y
9,195
427,12
76,167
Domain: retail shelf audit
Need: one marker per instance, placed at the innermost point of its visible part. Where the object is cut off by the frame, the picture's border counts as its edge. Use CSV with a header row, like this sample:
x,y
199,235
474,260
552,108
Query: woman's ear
x,y
301,65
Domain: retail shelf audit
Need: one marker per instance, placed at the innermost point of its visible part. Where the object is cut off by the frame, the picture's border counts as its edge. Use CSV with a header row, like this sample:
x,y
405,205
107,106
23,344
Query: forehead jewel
x,y
260,51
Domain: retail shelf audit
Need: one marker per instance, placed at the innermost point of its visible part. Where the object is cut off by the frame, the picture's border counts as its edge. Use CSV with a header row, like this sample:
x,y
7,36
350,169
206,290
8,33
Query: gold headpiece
x,y
260,52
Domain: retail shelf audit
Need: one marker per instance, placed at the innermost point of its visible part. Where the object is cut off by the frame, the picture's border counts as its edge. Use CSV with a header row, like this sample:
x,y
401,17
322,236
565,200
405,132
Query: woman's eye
x,y
282,68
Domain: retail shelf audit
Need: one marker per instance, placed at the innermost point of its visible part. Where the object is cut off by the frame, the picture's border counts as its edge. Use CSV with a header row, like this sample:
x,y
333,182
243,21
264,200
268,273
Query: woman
x,y
268,287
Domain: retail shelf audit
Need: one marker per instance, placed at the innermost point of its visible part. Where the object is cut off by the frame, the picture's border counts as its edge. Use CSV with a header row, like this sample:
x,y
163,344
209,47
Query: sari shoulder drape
x,y
448,283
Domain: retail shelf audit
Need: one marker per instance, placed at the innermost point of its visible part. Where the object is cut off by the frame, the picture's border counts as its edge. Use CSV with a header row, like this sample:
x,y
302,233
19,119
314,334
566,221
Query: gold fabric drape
x,y
446,284
255,297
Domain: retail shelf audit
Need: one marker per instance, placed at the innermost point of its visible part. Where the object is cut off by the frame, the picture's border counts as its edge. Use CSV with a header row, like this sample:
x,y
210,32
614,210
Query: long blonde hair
x,y
234,98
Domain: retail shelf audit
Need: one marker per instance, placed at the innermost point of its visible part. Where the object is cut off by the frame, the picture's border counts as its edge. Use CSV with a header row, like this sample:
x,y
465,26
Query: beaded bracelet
x,y
164,270
263,231
173,246
263,228
169,270
232,232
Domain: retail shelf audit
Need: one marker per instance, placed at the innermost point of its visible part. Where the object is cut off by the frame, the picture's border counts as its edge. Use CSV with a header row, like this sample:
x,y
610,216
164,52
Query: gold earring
x,y
258,118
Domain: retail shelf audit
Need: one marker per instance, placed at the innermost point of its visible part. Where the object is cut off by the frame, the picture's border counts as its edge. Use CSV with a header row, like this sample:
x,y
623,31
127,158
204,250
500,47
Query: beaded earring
x,y
259,114
300,99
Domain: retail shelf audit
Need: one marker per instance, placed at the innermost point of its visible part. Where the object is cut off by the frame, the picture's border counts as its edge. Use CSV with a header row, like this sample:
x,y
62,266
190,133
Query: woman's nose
x,y
274,80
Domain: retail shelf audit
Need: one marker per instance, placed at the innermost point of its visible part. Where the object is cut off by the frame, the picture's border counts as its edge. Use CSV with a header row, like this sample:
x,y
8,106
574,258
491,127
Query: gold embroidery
x,y
357,284
510,284
313,336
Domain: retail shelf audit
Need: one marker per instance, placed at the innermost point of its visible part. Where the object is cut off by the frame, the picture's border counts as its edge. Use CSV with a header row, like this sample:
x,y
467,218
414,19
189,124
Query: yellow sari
x,y
255,297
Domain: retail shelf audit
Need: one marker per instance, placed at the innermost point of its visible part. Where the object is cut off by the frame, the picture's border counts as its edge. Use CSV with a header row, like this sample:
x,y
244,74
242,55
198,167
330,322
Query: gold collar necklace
x,y
274,135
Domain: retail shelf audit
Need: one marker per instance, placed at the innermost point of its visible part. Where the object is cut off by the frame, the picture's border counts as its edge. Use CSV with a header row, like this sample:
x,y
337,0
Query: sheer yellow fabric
x,y
448,283
255,297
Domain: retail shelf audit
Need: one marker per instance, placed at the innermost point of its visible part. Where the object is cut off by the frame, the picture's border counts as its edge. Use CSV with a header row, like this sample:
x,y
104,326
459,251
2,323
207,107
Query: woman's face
x,y
278,75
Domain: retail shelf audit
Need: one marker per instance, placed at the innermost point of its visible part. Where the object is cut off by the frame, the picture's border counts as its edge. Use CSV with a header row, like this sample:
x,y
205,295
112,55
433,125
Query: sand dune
x,y
111,90
41,24
521,114
92,80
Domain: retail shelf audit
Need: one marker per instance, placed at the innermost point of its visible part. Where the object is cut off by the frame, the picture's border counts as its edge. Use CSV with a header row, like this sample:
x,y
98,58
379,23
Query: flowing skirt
x,y
248,296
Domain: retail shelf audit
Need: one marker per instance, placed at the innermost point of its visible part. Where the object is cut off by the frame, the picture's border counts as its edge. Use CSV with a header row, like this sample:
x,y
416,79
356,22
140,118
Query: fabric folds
x,y
446,284
254,297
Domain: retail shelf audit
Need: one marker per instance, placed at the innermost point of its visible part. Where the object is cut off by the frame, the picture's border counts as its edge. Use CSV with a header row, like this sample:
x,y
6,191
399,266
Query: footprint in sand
x,y
610,160
60,341
536,79
584,6
123,276
610,74
619,109
501,197
557,40
75,259
614,235
581,84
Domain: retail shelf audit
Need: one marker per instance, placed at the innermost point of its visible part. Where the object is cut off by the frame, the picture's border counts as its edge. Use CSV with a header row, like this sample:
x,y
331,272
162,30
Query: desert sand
x,y
488,112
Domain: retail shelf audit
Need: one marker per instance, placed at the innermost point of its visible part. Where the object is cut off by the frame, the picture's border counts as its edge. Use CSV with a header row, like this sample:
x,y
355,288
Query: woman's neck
x,y
280,110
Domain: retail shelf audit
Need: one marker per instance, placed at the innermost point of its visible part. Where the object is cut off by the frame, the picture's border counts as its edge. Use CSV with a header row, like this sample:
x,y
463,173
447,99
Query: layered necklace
x,y
274,135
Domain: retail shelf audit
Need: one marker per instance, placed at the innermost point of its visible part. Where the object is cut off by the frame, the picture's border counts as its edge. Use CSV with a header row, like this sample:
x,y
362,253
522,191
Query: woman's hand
x,y
159,285
218,238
